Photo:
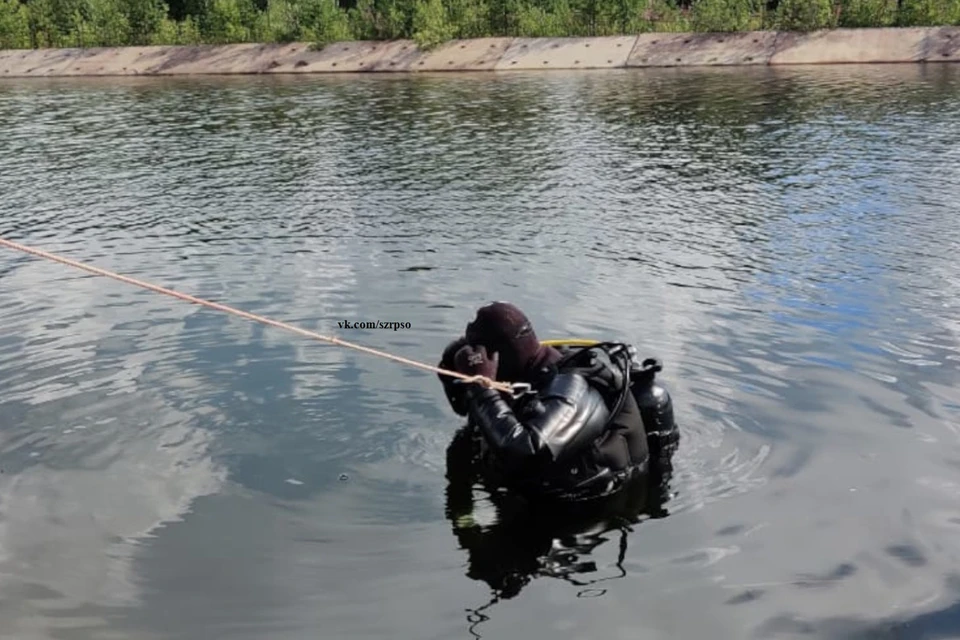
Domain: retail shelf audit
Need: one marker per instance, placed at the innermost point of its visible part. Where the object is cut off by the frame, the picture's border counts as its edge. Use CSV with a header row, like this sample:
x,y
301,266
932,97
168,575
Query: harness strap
x,y
594,372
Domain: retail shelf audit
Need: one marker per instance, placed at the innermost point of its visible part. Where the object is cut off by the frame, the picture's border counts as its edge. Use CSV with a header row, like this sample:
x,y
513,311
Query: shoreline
x,y
834,46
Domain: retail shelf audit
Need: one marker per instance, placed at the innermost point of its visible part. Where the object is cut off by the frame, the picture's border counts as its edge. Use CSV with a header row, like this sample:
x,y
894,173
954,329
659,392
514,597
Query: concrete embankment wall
x,y
909,45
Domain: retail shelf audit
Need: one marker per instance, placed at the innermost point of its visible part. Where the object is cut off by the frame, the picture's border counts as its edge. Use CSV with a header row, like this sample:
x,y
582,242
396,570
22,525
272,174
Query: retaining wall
x,y
840,46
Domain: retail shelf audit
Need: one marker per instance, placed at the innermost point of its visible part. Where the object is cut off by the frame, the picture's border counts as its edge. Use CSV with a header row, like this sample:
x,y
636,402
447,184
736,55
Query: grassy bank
x,y
88,23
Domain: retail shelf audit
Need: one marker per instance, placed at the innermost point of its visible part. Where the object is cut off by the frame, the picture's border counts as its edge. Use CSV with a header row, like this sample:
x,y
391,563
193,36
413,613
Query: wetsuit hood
x,y
503,328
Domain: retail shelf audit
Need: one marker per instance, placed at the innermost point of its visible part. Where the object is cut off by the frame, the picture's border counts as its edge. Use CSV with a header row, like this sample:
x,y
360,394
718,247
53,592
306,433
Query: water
x,y
785,240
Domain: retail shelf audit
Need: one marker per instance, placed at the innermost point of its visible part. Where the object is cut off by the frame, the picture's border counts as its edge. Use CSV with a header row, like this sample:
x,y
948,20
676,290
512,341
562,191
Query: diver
x,y
594,417
522,540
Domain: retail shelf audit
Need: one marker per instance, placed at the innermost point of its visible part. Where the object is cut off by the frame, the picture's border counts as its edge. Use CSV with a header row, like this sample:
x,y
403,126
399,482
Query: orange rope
x,y
487,382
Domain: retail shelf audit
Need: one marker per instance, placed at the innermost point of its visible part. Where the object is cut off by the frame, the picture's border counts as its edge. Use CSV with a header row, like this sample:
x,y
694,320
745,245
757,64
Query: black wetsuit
x,y
579,435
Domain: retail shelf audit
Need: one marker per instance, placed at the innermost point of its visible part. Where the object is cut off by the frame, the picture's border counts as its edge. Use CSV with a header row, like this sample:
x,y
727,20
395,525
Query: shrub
x,y
431,25
867,13
55,23
723,15
470,18
323,22
279,23
228,21
923,13
553,19
108,24
660,15
805,15
14,25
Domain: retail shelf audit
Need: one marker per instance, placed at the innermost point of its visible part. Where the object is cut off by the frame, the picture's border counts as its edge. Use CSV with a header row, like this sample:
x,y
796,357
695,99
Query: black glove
x,y
473,361
455,391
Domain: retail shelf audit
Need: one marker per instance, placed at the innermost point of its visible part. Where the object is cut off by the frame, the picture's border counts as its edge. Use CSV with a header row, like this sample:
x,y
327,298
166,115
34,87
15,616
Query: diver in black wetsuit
x,y
525,540
578,418
587,427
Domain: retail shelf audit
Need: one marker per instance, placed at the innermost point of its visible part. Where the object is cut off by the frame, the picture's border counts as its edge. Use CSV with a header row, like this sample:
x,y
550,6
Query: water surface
x,y
784,239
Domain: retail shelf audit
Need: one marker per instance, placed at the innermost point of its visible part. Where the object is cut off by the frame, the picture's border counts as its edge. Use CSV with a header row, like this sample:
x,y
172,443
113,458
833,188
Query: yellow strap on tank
x,y
569,342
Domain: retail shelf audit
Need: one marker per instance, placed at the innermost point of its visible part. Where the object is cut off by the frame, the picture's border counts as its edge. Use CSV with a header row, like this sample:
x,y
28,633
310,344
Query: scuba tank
x,y
656,408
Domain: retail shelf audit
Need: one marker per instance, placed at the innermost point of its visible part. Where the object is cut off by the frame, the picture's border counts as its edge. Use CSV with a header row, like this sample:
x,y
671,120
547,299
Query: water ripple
x,y
784,240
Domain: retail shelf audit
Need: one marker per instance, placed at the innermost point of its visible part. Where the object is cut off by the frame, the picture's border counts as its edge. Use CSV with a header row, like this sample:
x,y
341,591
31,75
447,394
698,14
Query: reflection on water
x,y
783,239
521,541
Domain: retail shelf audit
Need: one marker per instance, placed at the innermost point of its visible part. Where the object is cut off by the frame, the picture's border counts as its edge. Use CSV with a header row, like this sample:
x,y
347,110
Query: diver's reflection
x,y
524,540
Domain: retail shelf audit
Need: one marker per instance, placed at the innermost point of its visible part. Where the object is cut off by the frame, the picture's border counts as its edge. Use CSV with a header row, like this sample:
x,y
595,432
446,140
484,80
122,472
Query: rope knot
x,y
483,380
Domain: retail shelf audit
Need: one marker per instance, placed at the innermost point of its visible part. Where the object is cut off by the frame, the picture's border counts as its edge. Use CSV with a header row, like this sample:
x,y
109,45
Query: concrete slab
x,y
480,54
116,61
567,53
702,49
398,58
10,62
346,57
942,45
144,60
99,61
104,61
37,62
846,46
936,44
211,59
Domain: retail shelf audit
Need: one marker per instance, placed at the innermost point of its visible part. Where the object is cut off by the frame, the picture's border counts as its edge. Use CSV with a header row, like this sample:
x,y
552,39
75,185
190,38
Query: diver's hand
x,y
449,353
474,361
455,393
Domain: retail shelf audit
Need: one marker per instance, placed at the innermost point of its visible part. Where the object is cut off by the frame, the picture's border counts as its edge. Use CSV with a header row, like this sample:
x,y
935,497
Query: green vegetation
x,y
87,23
